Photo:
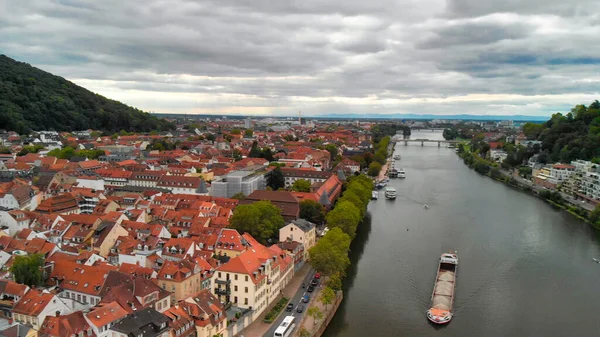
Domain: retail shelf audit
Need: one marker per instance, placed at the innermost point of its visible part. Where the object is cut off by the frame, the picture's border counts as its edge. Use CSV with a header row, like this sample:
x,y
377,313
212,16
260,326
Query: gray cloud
x,y
276,57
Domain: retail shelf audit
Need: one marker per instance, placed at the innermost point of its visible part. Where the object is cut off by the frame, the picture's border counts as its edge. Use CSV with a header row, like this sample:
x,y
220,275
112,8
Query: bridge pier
x,y
439,144
422,142
406,143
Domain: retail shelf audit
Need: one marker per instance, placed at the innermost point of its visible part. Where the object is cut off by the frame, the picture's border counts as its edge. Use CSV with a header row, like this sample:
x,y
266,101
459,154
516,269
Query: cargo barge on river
x,y
442,299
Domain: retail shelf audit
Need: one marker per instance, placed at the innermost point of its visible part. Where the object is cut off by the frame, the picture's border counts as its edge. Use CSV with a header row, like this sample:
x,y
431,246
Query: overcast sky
x,y
275,57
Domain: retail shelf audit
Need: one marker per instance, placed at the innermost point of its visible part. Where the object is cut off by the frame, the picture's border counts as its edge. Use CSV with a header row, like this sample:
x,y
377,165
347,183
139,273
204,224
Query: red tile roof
x,y
106,313
33,303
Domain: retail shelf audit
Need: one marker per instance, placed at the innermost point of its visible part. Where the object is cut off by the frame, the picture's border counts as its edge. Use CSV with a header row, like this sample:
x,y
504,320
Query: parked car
x,y
314,282
289,307
310,289
318,276
305,298
300,308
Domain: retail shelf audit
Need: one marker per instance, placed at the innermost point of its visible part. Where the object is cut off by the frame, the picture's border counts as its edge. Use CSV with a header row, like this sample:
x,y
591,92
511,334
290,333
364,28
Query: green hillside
x,y
32,99
575,135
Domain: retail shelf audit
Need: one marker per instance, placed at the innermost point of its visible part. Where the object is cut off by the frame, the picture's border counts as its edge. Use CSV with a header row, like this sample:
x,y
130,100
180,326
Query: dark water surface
x,y
525,269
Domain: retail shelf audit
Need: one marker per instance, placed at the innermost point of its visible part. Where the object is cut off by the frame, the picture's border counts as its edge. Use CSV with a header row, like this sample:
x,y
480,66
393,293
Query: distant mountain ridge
x,y
516,118
32,99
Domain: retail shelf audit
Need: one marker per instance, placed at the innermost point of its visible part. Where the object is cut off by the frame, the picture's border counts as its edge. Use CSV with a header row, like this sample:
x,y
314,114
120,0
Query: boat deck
x,y
444,290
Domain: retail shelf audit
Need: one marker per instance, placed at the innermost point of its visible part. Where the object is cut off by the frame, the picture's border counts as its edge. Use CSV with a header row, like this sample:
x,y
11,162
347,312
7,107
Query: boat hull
x,y
442,298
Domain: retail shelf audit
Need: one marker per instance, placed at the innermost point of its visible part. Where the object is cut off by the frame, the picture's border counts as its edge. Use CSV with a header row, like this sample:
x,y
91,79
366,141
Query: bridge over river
x,y
423,141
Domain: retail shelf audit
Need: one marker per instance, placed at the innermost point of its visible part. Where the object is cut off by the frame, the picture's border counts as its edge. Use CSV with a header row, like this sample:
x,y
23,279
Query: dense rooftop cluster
x,y
133,233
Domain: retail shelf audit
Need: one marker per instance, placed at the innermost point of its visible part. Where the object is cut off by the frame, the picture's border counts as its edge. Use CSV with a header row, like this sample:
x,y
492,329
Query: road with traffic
x,y
297,301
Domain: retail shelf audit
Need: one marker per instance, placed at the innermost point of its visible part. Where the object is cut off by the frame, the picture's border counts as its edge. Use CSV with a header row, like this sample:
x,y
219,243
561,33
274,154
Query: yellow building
x,y
300,231
254,278
182,278
105,236
207,312
230,243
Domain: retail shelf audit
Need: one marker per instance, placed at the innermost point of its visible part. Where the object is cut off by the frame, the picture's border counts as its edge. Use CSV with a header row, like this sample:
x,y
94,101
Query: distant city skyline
x,y
325,58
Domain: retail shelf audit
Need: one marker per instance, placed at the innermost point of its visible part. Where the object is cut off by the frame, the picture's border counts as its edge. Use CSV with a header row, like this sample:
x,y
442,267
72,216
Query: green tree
x,y
239,196
330,255
313,211
315,313
301,185
237,155
333,150
255,151
236,131
374,169
210,137
345,216
158,147
379,158
335,282
276,180
248,133
261,219
28,269
305,333
327,296
351,197
595,217
5,150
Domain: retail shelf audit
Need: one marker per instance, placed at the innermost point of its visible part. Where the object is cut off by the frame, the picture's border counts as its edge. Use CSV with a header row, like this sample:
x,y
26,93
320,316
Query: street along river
x,y
525,268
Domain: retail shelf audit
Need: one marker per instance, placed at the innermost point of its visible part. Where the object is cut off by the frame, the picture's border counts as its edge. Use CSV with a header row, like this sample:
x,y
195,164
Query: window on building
x,y
246,277
246,301
246,290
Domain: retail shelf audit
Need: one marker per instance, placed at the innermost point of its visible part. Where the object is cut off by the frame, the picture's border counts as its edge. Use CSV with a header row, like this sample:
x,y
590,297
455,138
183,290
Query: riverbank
x,y
314,327
554,198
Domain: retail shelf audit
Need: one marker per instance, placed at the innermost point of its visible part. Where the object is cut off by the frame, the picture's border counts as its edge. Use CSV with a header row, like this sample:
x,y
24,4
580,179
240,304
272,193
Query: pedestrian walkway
x,y
383,171
258,328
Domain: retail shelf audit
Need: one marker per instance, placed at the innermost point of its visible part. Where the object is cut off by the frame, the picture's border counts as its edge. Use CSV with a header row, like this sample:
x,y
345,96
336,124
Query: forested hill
x,y
575,135
32,99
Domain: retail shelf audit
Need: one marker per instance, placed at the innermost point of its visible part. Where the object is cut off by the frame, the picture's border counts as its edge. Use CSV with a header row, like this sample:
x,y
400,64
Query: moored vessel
x,y
397,157
442,298
401,174
374,195
393,173
390,193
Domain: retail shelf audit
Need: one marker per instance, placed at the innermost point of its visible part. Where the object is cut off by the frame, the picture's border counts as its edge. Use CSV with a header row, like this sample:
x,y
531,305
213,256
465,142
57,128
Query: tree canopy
x,y
345,216
261,219
379,131
374,169
28,269
301,185
575,135
69,152
312,211
330,255
32,99
276,179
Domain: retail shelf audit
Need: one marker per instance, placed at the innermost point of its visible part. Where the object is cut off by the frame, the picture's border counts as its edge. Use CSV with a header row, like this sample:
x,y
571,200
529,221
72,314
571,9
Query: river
x,y
525,268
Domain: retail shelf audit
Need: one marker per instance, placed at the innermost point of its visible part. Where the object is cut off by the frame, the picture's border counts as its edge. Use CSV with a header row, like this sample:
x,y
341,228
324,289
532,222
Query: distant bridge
x,y
423,141
426,129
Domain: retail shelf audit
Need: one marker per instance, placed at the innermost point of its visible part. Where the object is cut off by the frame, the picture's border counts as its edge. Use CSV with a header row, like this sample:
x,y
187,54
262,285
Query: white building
x,y
498,155
559,173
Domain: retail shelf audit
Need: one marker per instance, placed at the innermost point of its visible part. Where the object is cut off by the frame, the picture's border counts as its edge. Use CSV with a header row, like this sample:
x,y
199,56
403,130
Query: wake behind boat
x,y
442,298
595,260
